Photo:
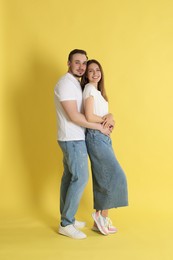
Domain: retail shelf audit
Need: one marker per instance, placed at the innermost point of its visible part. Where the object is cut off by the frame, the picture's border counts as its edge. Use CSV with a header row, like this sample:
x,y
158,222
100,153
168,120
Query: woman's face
x,y
93,74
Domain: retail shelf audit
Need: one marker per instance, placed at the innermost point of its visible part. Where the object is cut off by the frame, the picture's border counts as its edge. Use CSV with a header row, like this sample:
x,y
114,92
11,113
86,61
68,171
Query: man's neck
x,y
75,76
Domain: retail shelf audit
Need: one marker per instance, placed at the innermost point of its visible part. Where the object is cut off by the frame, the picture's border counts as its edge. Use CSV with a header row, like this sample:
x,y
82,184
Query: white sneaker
x,y
79,224
94,228
101,222
111,229
71,231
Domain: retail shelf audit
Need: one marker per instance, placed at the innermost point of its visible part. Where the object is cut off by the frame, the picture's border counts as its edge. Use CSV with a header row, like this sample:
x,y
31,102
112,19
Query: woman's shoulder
x,y
89,90
89,86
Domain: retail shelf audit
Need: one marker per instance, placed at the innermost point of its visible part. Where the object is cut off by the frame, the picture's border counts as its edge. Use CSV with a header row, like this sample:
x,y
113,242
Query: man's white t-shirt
x,y
100,104
68,88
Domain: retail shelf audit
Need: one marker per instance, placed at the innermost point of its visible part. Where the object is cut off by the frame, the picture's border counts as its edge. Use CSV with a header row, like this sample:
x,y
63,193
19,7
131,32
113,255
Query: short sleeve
x,y
89,90
65,90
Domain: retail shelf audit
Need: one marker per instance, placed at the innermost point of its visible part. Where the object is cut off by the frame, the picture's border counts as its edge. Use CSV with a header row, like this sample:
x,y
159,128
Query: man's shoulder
x,y
62,82
66,80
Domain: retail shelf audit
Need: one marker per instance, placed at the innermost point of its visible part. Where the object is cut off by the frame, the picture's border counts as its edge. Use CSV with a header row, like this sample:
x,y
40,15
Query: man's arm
x,y
70,107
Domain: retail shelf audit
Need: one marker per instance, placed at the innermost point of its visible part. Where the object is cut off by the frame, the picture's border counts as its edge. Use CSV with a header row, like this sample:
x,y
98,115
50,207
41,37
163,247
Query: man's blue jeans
x,y
74,179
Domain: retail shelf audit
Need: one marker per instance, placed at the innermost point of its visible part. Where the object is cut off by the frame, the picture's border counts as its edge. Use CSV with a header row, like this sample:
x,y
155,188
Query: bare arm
x,y
107,120
78,118
89,108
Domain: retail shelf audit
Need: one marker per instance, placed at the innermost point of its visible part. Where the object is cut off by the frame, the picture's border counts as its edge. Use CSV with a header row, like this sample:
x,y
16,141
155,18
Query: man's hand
x,y
106,131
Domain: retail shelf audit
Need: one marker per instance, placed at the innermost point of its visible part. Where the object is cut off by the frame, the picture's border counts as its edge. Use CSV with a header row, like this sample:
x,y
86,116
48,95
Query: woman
x,y
109,180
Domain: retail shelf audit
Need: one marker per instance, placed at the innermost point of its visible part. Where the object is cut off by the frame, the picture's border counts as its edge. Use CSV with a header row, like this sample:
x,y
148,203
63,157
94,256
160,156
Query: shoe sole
x,y
67,235
97,230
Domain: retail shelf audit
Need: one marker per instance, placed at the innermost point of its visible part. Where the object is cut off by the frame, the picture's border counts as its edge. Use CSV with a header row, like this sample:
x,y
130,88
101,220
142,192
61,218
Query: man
x,y
71,138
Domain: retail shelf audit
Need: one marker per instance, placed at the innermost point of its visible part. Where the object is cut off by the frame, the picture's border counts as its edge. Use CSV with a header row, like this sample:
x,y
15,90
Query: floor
x,y
141,236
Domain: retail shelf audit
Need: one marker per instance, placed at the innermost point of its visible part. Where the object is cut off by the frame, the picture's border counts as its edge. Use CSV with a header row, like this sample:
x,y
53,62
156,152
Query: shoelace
x,y
108,222
102,220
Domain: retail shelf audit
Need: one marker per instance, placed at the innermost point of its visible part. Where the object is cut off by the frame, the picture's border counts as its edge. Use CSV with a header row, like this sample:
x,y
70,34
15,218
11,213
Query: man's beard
x,y
76,75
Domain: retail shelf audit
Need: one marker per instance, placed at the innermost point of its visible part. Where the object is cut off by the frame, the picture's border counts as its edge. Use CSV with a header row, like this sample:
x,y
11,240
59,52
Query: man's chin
x,y
77,75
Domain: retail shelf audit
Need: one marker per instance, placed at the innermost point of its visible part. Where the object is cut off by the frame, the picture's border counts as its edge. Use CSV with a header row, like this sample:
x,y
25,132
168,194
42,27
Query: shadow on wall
x,y
35,113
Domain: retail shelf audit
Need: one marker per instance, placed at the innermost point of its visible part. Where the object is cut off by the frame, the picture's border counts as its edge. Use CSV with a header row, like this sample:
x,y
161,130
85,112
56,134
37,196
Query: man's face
x,y
77,65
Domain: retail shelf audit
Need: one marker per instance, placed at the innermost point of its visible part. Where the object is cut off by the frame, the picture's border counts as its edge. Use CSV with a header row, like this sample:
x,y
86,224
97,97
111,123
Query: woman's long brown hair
x,y
85,80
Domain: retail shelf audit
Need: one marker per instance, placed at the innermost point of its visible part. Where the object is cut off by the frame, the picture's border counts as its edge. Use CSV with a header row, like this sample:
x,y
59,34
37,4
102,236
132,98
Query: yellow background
x,y
133,40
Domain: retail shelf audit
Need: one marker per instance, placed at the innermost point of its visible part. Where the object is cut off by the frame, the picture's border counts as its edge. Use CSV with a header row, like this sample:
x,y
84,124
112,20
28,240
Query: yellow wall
x,y
133,40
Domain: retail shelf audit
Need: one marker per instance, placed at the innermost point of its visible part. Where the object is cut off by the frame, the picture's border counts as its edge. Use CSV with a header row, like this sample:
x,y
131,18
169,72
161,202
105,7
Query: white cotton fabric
x,y
100,104
68,88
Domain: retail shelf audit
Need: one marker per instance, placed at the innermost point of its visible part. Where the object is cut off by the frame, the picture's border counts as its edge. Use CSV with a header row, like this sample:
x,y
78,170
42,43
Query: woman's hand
x,y
108,121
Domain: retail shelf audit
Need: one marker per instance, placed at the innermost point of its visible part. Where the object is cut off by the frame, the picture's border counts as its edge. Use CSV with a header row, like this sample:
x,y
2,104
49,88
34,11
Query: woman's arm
x,y
107,121
89,108
70,107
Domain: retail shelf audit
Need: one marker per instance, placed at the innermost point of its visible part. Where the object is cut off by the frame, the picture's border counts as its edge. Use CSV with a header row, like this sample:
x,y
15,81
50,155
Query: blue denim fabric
x,y
74,179
109,180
